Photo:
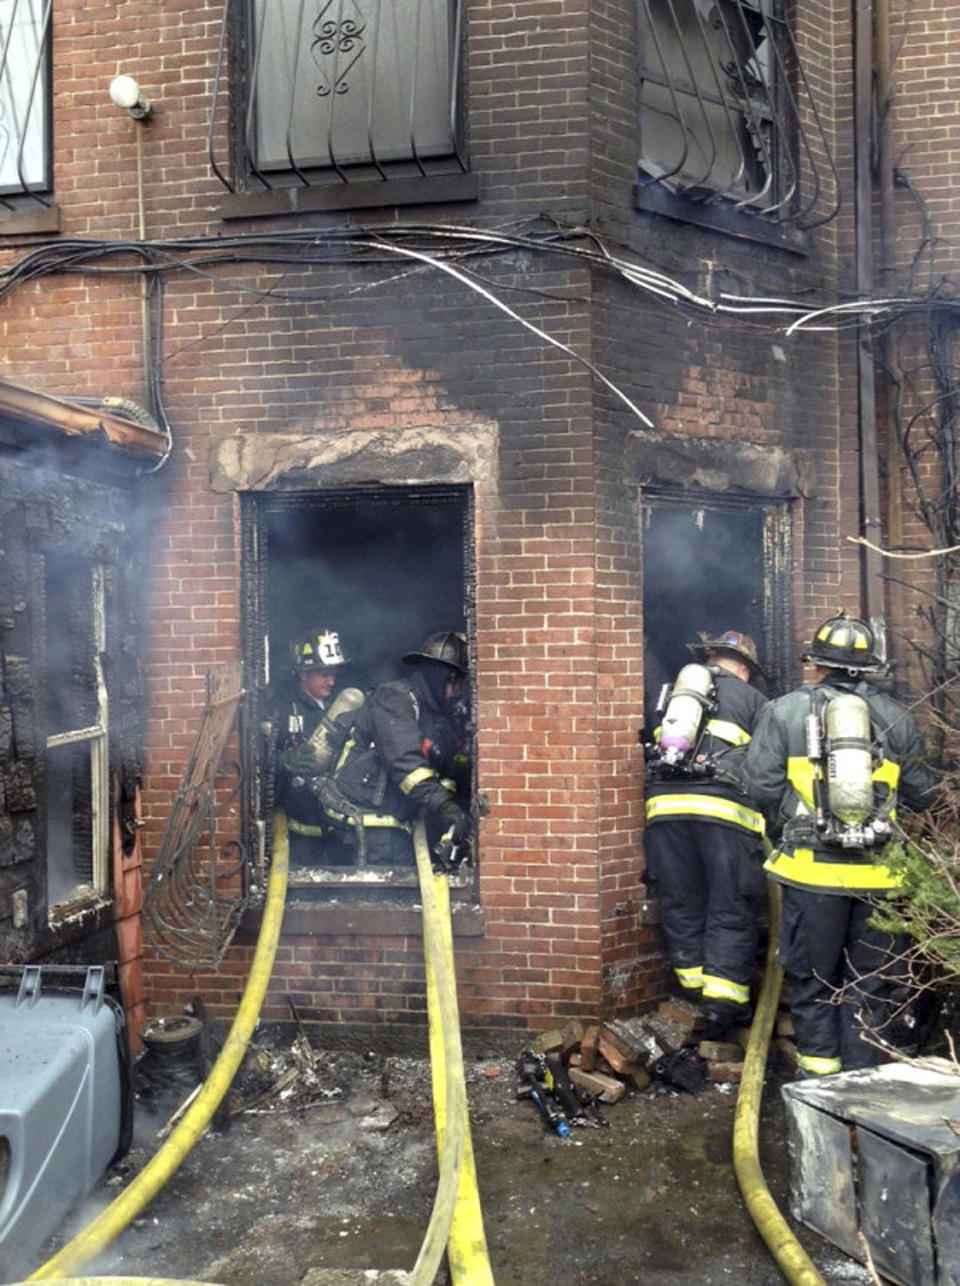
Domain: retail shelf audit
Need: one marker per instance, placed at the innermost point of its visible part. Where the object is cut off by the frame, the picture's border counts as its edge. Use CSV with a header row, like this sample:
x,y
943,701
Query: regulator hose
x,y
792,1259
456,1221
141,1190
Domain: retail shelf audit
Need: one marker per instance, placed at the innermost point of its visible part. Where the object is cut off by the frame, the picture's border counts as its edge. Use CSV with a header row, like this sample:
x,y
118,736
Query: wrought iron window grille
x,y
727,114
196,893
331,92
26,167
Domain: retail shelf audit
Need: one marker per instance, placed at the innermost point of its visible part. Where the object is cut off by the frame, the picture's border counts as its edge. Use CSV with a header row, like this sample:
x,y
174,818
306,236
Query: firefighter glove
x,y
300,761
454,819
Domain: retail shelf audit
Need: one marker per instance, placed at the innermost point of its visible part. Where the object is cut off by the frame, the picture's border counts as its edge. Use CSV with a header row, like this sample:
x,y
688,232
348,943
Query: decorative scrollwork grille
x,y
195,896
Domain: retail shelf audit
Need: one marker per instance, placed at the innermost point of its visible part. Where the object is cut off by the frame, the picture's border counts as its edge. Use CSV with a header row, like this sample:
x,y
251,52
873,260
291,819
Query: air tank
x,y
329,732
680,726
849,758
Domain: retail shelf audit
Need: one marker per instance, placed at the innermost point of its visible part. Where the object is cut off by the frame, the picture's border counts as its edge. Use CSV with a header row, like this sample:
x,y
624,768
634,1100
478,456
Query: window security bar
x,y
726,110
25,140
333,91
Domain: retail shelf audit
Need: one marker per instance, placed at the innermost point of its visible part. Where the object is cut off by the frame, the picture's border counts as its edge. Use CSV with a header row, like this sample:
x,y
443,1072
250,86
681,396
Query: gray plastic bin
x,y
64,1106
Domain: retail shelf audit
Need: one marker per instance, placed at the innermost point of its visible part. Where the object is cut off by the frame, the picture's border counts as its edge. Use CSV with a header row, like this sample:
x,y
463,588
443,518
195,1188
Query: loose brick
x,y
722,1073
715,1051
588,1048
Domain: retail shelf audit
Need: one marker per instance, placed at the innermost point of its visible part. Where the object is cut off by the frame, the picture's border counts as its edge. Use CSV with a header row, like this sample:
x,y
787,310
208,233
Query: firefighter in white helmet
x,y
829,764
703,835
304,720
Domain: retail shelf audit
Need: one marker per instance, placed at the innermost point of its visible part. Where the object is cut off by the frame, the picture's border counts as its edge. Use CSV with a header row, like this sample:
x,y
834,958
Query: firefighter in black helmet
x,y
829,764
399,761
703,832
308,696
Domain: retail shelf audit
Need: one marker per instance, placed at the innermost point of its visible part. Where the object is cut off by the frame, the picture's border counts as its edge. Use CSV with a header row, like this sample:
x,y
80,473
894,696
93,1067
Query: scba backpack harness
x,y
851,787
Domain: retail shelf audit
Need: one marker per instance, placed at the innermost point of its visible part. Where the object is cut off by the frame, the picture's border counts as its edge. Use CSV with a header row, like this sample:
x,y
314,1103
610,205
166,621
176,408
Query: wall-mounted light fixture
x,y
126,93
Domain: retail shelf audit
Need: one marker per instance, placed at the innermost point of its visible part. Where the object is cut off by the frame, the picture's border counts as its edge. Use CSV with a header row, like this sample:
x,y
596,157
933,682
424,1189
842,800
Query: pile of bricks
x,y
606,1058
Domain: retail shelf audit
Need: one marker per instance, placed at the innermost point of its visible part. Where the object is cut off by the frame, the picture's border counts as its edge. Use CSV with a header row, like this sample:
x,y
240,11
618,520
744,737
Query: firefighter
x,y
307,701
703,836
404,759
828,764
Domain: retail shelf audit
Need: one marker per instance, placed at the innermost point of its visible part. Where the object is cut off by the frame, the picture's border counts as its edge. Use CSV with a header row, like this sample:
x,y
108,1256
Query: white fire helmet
x,y
319,651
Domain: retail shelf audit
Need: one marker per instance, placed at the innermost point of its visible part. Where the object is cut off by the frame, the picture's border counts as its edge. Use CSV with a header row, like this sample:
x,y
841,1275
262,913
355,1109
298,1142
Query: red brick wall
x,y
256,349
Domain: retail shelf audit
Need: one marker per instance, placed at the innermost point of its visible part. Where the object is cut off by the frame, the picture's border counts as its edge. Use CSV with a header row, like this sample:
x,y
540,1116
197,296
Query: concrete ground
x,y
331,1179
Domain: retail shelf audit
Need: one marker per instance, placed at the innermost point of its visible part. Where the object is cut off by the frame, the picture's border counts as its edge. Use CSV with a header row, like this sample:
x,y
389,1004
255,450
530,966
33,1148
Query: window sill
x,y
41,218
435,189
653,199
83,913
326,902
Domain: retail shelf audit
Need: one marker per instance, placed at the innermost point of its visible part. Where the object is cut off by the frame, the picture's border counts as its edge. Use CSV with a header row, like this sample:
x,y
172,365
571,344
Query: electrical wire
x,y
433,247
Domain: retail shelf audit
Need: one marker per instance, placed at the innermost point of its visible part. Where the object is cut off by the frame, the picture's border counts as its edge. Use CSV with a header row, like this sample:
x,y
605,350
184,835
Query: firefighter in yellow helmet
x,y
829,764
304,712
703,834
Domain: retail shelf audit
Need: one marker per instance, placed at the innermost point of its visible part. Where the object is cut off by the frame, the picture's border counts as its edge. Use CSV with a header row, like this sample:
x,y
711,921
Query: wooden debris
x,y
607,1088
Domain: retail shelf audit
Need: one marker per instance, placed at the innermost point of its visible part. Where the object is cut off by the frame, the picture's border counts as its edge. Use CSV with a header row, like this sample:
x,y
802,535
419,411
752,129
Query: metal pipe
x,y
871,527
886,342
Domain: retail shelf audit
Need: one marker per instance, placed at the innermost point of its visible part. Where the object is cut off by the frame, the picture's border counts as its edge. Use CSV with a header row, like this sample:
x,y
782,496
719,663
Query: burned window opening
x,y
76,788
710,566
339,92
726,111
383,567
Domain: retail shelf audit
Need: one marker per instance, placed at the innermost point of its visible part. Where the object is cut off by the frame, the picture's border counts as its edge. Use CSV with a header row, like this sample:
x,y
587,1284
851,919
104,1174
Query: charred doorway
x,y
383,567
710,566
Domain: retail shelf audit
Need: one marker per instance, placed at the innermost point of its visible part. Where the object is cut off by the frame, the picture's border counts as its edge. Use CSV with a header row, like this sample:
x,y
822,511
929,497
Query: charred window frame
x,y
362,520
728,127
715,563
76,768
26,165
347,102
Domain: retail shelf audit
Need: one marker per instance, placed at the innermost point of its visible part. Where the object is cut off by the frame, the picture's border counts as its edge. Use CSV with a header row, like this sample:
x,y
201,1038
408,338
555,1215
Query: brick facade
x,y
271,353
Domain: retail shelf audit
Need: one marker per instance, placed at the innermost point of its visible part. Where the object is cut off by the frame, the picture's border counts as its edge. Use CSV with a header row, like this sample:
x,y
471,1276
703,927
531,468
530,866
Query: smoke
x,y
382,571
703,571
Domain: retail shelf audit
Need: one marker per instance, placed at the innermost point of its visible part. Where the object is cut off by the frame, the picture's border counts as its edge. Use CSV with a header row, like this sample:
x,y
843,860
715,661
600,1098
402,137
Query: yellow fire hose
x,y
456,1221
125,1281
773,1228
111,1221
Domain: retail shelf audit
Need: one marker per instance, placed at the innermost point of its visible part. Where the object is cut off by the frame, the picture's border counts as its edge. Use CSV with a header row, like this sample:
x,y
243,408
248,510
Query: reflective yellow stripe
x,y
723,989
728,731
802,772
301,828
371,821
803,867
888,773
691,979
800,775
414,778
712,807
383,821
819,1066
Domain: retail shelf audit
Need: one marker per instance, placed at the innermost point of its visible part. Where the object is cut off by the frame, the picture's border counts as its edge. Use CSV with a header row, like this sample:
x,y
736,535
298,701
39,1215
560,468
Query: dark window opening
x,y
25,116
726,112
383,568
341,92
708,568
